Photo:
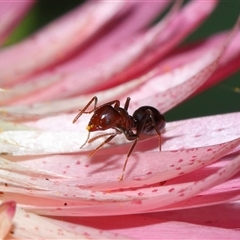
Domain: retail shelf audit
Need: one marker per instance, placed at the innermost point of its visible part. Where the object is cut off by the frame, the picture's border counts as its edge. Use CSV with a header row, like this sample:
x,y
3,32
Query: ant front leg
x,y
95,99
103,143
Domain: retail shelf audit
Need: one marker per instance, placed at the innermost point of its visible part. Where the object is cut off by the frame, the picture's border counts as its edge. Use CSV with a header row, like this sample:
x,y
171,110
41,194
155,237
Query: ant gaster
x,y
145,120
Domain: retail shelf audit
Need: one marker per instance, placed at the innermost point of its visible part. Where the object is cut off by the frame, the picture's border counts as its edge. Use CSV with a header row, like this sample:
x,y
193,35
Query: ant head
x,y
103,118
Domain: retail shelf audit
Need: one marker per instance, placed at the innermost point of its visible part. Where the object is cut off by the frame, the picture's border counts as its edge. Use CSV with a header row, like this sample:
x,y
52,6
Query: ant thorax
x,y
126,121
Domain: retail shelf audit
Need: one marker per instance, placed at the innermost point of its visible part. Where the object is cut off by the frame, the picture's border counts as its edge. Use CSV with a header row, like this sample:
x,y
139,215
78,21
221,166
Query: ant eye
x,y
108,121
105,120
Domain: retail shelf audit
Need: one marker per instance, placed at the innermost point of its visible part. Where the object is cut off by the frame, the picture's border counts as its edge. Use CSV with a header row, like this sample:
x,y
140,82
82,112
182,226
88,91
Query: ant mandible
x,y
145,120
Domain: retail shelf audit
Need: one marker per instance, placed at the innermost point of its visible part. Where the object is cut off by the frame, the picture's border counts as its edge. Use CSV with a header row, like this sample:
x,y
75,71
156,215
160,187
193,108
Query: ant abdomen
x,y
150,118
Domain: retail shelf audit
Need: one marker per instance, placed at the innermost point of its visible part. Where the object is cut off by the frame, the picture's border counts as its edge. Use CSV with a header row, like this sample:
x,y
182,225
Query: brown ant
x,y
145,120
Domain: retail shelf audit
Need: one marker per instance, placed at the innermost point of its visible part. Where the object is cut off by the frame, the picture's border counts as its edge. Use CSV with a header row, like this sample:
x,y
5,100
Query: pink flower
x,y
107,49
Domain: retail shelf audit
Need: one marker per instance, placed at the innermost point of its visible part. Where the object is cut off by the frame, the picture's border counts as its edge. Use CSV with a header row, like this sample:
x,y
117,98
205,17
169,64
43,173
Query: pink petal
x,y
162,91
23,176
140,172
130,23
10,15
184,18
228,191
51,44
175,91
193,51
213,222
32,226
74,191
7,211
131,201
170,84
229,64
35,111
117,63
183,24
56,84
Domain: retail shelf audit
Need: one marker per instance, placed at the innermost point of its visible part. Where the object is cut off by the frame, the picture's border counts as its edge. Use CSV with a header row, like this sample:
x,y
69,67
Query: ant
x,y
145,120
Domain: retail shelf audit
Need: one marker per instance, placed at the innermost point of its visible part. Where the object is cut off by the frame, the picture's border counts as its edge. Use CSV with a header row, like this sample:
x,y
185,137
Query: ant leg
x,y
115,102
95,138
100,136
160,141
126,161
126,105
106,141
85,141
148,114
157,130
84,109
